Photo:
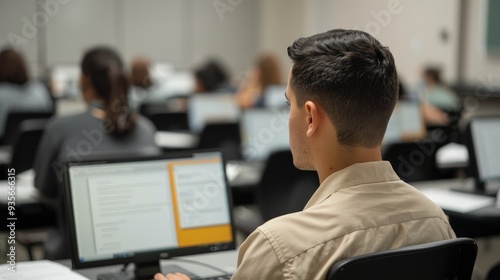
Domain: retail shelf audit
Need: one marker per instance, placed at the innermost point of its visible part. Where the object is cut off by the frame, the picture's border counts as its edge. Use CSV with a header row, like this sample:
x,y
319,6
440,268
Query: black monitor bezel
x,y
469,143
141,257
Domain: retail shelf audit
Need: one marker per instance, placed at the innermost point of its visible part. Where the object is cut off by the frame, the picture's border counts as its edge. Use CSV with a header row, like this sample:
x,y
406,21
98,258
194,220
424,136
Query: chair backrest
x,y
223,136
26,140
283,188
173,121
415,161
14,119
448,259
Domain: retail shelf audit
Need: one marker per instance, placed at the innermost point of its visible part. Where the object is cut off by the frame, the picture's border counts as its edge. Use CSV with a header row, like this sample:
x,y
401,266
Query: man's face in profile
x,y
297,126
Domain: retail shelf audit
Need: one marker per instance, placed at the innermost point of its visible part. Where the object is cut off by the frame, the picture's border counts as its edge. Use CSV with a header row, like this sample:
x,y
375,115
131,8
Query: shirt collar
x,y
353,175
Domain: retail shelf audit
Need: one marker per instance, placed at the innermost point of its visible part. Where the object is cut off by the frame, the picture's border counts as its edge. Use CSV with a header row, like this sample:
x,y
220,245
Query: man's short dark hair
x,y
353,78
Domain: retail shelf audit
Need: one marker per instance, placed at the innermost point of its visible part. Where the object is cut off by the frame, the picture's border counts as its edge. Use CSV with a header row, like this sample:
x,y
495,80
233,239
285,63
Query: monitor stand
x,y
145,271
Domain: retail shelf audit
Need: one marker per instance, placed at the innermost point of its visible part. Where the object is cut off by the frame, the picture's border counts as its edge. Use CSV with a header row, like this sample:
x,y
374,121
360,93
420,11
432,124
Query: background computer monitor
x,y
274,96
483,135
147,209
211,108
406,123
263,131
64,80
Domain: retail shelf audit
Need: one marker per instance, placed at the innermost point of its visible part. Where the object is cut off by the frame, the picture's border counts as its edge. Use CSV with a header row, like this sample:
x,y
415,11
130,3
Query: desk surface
x,y
463,186
480,222
223,260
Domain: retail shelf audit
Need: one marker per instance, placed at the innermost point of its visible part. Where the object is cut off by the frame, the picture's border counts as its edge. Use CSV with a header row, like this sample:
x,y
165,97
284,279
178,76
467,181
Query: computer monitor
x,y
406,123
263,131
483,138
211,108
146,209
64,80
274,96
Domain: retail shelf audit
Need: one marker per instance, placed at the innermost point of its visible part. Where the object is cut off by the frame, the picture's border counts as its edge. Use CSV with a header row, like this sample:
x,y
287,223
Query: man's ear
x,y
313,117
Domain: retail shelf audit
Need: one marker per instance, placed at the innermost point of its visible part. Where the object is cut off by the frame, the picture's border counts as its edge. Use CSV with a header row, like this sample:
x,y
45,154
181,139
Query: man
x,y
342,89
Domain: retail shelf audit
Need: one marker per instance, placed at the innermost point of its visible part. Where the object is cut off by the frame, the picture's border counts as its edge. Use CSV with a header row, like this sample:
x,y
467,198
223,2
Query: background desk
x,y
477,223
223,260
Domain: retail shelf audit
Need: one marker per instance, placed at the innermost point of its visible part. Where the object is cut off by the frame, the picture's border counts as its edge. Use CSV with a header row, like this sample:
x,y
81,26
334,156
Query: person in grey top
x,y
108,129
17,92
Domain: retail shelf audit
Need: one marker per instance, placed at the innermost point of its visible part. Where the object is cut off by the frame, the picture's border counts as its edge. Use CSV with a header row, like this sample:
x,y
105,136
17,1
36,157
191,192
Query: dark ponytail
x,y
105,69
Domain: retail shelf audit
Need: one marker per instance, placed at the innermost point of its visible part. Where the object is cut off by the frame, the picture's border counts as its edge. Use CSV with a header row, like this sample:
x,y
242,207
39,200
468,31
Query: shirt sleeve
x,y
257,259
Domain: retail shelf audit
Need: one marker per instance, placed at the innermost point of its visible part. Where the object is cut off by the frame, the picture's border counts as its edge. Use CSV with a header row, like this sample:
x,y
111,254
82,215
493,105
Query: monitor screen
x,y
262,132
406,123
274,96
147,209
64,80
211,108
486,138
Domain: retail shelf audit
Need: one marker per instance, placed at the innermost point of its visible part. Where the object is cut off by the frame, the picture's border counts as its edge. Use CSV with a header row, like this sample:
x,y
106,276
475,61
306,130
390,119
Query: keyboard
x,y
220,277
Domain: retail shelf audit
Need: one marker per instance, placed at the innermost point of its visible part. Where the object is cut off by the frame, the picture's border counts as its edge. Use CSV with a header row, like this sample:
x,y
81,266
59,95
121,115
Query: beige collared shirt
x,y
361,209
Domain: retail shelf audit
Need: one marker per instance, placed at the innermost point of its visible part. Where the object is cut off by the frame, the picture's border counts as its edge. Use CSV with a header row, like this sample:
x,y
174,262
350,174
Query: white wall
x,y
282,22
78,26
157,29
478,66
12,13
232,36
185,32
181,32
411,29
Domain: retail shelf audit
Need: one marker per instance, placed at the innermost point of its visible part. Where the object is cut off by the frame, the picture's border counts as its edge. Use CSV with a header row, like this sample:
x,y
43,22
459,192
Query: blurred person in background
x,y
108,129
140,81
438,101
264,73
17,92
212,77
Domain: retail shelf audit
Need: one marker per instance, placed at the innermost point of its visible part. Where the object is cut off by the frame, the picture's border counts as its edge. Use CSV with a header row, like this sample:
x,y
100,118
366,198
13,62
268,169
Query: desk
x,y
176,140
476,223
223,260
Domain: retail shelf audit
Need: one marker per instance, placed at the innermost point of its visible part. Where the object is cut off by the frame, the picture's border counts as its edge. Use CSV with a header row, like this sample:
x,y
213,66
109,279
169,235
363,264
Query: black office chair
x,y
15,118
34,219
283,189
494,273
149,108
25,144
223,136
171,121
415,161
448,259
172,104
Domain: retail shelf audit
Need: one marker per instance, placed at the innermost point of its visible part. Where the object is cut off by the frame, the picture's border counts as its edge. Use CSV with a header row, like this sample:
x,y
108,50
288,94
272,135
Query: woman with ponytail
x,y
109,128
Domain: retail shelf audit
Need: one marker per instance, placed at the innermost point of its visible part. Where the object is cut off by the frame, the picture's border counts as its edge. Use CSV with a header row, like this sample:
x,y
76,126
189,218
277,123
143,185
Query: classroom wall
x,y
413,30
12,13
181,32
185,32
282,22
478,66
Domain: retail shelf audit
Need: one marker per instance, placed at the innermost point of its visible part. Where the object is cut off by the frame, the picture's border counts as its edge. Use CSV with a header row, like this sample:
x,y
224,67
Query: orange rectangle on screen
x,y
201,235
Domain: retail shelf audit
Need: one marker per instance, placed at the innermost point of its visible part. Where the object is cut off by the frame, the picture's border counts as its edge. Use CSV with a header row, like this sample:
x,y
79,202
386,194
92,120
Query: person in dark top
x,y
212,77
266,72
17,91
109,128
12,68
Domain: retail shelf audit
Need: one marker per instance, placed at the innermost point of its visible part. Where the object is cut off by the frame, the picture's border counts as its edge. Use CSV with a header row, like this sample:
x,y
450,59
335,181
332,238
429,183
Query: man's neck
x,y
344,157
